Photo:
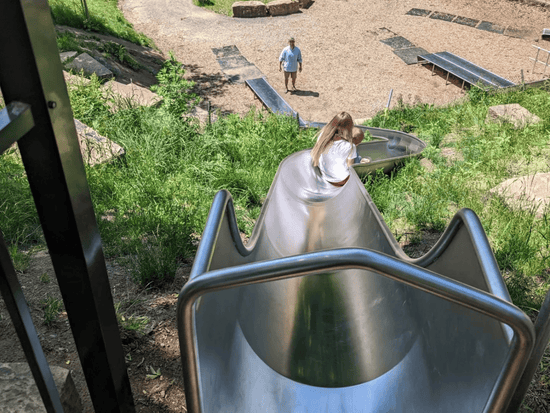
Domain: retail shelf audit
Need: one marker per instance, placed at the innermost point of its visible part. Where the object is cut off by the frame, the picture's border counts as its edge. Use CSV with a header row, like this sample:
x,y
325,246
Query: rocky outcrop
x,y
89,65
512,113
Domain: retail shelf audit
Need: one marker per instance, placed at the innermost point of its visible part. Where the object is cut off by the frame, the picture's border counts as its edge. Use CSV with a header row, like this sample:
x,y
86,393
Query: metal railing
x,y
38,116
543,62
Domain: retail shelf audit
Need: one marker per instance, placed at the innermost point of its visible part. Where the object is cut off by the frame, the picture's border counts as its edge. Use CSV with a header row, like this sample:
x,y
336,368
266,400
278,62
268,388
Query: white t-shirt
x,y
334,164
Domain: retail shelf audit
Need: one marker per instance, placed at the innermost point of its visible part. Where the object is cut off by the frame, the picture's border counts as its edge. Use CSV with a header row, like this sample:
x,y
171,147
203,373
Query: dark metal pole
x,y
31,73
22,321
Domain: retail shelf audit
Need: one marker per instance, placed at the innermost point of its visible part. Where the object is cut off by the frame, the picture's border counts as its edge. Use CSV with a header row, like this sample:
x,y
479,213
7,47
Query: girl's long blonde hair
x,y
341,124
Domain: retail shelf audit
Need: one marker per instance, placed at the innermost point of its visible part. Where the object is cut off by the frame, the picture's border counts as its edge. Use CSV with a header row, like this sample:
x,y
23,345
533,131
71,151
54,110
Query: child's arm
x,y
353,157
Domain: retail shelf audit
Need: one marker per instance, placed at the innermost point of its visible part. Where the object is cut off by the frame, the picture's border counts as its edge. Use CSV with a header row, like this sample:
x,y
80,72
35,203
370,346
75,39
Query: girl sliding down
x,y
335,150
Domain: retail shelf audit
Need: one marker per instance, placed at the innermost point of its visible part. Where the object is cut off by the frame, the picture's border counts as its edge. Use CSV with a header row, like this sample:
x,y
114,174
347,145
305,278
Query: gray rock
x,y
452,155
67,55
283,7
202,115
19,394
427,164
105,62
89,65
512,113
249,9
130,93
95,149
526,192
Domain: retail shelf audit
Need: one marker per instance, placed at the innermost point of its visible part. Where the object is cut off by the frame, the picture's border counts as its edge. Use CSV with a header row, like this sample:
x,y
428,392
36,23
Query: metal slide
x,y
389,148
323,312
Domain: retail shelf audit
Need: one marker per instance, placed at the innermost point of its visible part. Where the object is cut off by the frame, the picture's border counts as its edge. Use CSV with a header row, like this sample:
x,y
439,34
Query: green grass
x,y
492,154
105,18
67,41
130,322
160,193
52,307
220,6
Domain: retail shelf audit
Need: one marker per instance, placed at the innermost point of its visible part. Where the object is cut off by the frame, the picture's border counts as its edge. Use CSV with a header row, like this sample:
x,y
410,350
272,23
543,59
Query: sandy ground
x,y
346,67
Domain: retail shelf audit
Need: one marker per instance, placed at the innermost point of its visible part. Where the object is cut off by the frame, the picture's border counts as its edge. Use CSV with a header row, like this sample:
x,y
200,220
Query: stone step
x,y
136,94
96,149
66,56
89,65
19,394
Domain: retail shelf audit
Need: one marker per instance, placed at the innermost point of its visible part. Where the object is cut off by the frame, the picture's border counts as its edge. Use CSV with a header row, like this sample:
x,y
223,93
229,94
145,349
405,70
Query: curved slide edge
x,y
289,267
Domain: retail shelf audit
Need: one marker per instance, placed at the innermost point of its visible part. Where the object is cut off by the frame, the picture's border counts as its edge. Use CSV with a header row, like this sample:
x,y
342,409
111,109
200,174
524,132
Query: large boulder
x,y
129,94
531,192
512,113
95,149
283,7
18,391
89,65
304,4
249,9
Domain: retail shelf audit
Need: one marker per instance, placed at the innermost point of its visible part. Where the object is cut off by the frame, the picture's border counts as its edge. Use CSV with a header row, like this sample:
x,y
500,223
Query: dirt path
x,y
346,67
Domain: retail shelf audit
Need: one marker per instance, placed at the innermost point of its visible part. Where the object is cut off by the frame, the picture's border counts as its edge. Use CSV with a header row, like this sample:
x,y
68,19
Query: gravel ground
x,y
346,67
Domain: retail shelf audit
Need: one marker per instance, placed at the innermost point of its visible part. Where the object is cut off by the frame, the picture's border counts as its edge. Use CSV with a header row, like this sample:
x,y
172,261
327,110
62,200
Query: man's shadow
x,y
304,93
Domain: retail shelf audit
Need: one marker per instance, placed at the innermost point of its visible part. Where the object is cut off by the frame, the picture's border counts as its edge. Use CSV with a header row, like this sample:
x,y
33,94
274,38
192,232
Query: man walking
x,y
290,57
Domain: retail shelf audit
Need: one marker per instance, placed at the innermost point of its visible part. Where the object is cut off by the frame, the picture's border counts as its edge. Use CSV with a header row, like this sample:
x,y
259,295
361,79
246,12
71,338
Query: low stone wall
x,y
273,8
283,7
249,9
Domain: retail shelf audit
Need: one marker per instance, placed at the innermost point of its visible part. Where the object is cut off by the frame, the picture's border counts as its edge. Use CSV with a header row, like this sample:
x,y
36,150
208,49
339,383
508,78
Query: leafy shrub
x,y
174,88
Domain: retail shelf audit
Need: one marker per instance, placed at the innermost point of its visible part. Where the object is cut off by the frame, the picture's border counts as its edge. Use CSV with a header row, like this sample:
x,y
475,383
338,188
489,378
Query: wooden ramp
x,y
467,71
271,99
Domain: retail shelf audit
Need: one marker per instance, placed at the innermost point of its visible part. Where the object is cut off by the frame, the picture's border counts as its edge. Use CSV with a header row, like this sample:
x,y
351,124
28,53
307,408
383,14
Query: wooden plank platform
x,y
465,70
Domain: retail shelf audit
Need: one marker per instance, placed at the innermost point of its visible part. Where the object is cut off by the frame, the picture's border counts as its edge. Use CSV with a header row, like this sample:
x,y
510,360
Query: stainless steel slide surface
x,y
323,312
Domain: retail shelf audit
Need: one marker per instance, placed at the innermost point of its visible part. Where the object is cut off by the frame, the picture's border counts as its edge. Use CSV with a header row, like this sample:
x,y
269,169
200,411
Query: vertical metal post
x,y
31,72
522,80
389,99
536,59
209,116
546,64
22,321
